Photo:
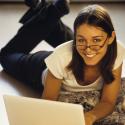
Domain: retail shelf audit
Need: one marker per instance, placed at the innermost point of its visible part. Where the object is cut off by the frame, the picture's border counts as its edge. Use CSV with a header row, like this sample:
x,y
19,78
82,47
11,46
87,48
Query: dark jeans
x,y
16,58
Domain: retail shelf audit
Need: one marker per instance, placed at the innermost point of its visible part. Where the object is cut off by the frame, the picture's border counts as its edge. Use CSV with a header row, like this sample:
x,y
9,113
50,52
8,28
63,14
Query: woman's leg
x,y
34,31
60,34
26,68
15,57
35,7
32,3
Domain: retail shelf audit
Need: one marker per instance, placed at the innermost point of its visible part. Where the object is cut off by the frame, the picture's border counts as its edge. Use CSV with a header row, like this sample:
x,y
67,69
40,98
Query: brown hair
x,y
94,15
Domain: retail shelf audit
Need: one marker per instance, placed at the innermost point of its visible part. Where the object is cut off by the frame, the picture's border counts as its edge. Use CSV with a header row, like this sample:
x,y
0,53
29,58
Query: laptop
x,y
31,111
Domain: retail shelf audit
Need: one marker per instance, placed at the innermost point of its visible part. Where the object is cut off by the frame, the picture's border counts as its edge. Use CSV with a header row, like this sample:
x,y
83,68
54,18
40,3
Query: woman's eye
x,y
81,40
97,40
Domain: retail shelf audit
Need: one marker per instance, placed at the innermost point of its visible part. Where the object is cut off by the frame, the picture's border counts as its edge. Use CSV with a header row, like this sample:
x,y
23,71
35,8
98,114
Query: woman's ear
x,y
111,39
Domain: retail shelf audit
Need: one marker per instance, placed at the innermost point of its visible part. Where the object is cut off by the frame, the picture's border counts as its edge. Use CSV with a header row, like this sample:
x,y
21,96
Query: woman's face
x,y
91,43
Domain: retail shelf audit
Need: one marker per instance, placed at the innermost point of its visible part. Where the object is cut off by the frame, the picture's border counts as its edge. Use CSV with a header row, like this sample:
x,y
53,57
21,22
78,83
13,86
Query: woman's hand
x,y
89,118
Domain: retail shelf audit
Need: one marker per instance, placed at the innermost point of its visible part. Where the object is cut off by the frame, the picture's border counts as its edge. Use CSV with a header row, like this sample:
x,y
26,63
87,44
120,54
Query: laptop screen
x,y
31,111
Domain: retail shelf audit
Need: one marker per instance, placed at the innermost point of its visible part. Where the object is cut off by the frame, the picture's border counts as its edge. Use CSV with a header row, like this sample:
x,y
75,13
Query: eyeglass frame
x,y
101,46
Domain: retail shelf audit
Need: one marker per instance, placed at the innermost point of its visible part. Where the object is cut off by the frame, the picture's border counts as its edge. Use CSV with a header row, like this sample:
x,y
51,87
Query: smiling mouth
x,y
90,55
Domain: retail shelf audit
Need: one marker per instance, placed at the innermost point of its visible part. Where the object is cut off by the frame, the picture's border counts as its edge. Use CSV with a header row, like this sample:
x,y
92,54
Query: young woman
x,y
85,70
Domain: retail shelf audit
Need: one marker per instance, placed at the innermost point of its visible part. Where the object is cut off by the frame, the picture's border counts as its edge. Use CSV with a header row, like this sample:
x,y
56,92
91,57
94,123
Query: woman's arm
x,y
52,87
109,96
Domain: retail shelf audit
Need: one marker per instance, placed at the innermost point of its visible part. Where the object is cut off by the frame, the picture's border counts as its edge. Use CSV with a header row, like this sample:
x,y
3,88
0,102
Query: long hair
x,y
94,15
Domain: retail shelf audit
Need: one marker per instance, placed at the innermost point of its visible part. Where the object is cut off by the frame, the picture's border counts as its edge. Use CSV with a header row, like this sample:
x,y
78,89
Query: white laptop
x,y
31,111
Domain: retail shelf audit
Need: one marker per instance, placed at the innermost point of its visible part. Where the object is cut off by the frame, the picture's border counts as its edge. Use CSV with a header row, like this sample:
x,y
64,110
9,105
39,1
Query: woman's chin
x,y
91,63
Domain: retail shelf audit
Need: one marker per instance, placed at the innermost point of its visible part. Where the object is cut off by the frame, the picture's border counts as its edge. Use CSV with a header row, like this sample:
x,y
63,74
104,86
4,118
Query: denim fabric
x,y
15,57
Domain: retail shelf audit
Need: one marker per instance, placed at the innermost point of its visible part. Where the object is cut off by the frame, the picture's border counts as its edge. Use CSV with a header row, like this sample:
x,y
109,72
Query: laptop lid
x,y
31,111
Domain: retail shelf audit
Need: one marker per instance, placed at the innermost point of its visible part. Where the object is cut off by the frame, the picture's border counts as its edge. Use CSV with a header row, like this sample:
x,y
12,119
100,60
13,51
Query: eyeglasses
x,y
92,47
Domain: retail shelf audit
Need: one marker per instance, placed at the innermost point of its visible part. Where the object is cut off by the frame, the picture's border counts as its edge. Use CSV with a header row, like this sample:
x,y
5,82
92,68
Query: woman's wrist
x,y
91,116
